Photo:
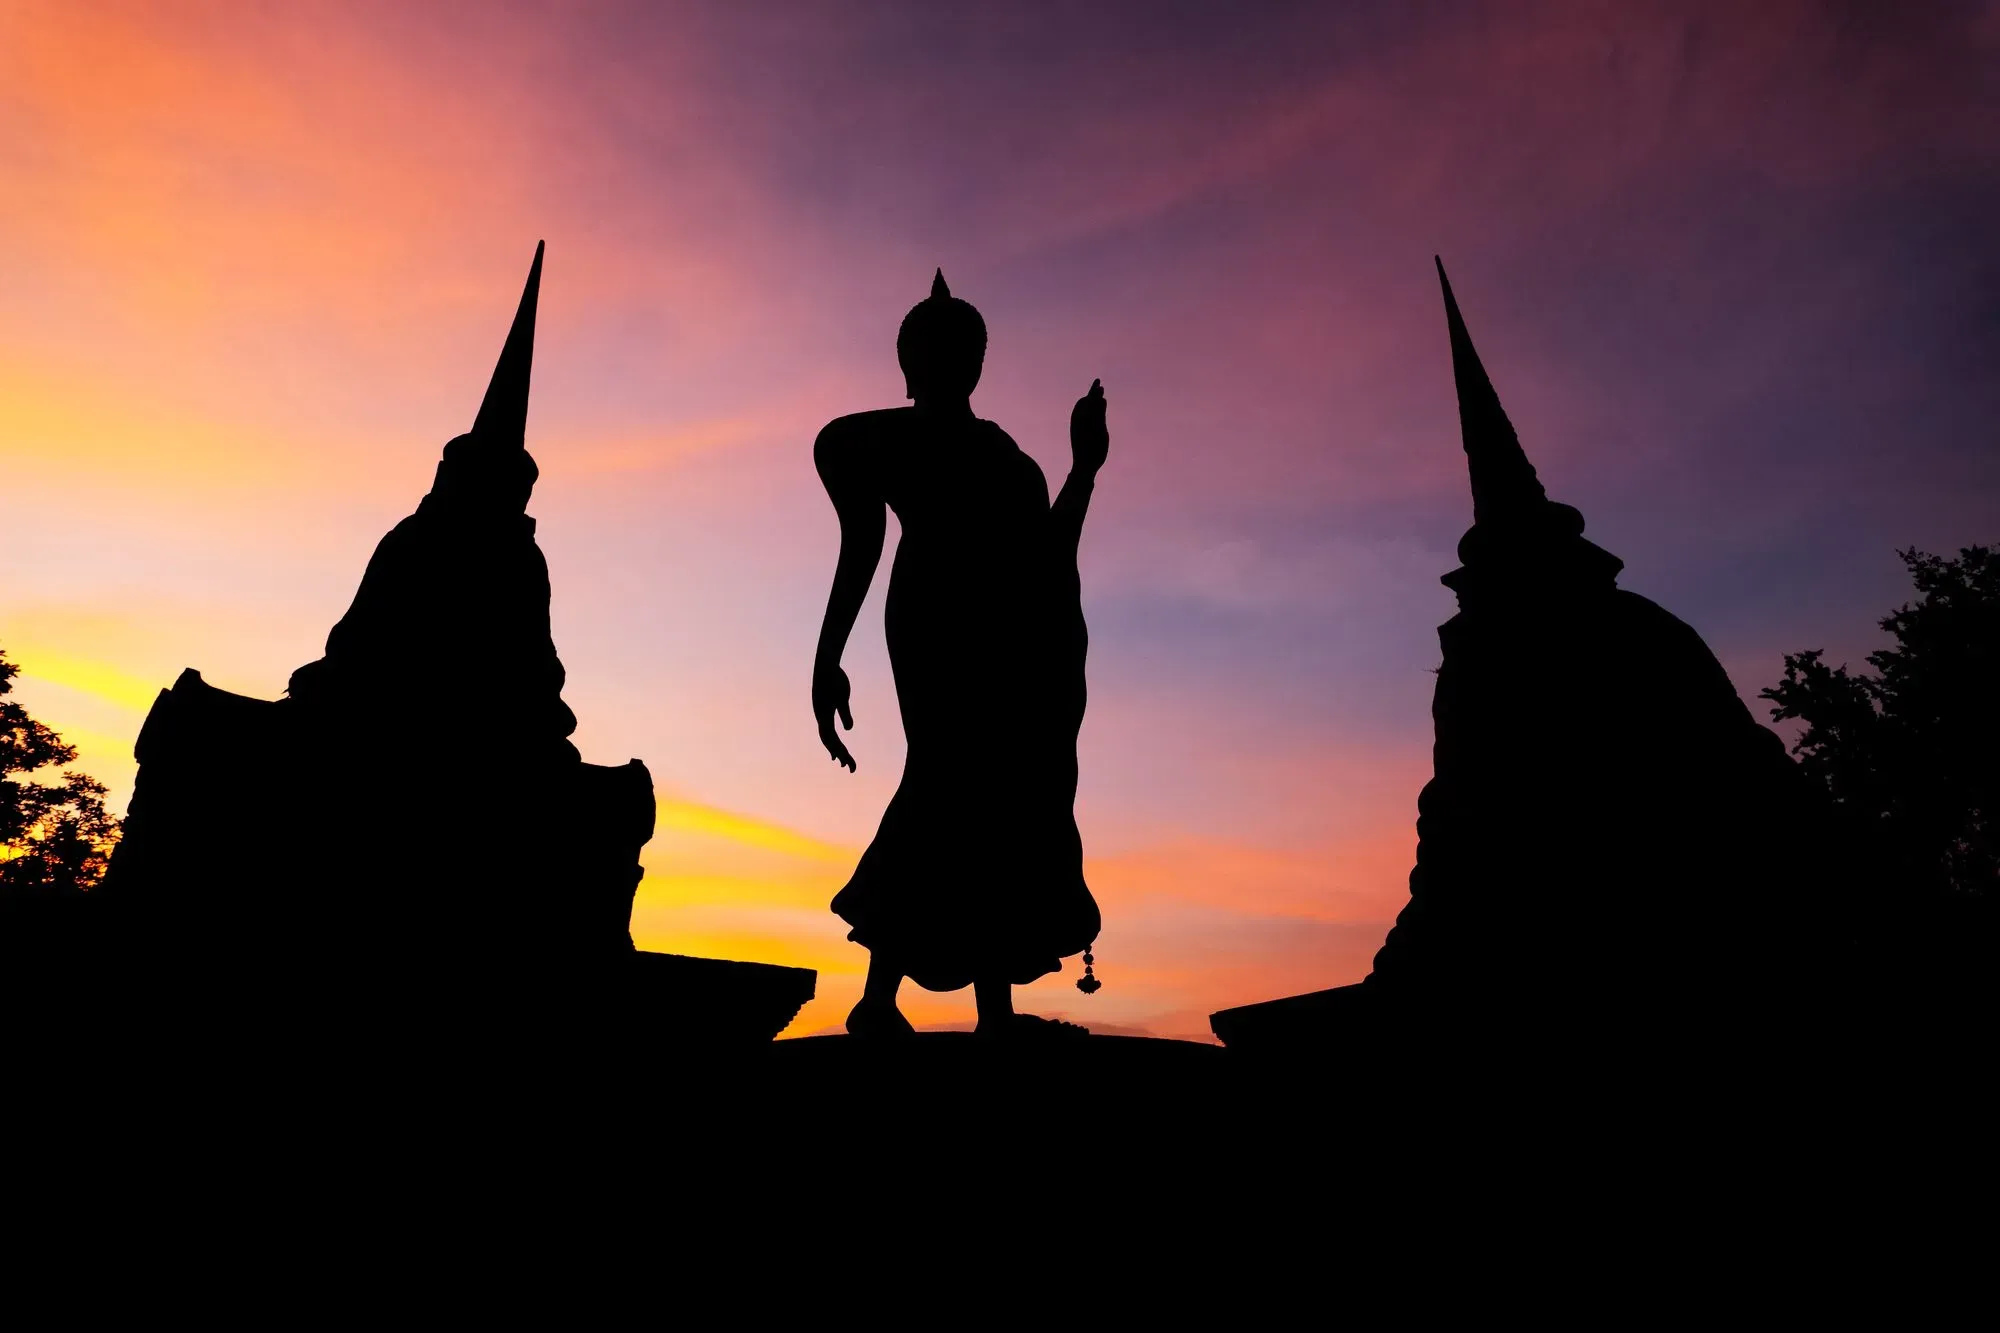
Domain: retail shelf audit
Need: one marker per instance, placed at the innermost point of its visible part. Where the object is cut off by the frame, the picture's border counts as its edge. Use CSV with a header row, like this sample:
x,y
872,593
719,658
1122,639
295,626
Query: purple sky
x,y
1731,268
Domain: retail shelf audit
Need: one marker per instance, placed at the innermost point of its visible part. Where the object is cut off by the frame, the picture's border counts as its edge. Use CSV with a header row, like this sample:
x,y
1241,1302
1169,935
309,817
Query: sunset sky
x,y
1732,268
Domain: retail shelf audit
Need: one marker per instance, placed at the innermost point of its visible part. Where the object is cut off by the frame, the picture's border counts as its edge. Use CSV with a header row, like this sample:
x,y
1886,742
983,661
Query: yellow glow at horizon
x,y
106,684
682,816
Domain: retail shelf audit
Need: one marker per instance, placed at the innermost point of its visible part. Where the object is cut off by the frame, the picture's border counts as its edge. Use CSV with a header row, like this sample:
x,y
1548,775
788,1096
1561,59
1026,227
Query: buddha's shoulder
x,y
859,429
994,432
860,444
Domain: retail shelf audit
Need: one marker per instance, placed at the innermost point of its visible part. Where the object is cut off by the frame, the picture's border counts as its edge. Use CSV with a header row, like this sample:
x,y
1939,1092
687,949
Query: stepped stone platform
x,y
713,1001
1296,1021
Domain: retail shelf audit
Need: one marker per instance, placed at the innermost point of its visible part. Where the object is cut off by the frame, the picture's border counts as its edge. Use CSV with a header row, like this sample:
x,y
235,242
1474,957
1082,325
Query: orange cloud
x,y
1363,879
57,421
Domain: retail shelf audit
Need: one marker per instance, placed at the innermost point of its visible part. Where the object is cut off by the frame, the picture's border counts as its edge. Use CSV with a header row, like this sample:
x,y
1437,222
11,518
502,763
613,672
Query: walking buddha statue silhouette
x,y
975,876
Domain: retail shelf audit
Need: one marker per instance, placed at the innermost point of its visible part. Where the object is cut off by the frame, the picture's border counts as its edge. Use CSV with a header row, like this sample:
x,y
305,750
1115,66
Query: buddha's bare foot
x,y
1028,1027
878,1020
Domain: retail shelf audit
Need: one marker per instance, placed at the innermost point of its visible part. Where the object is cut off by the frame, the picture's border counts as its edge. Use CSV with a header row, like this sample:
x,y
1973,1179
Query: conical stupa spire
x,y
940,292
1504,484
503,415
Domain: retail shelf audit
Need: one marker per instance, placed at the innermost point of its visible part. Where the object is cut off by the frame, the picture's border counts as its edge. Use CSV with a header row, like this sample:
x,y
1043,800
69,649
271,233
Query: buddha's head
x,y
942,347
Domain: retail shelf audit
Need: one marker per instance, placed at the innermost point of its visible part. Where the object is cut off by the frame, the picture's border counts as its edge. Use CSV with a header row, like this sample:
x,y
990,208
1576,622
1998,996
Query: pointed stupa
x,y
1511,513
939,292
503,414
1504,485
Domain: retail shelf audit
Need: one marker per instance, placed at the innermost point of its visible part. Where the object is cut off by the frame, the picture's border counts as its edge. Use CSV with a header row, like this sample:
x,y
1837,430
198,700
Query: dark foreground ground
x,y
1114,1166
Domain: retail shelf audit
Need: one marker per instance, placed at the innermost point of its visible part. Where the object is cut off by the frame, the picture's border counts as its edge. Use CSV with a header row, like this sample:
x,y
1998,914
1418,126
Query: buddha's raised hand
x,y
1089,438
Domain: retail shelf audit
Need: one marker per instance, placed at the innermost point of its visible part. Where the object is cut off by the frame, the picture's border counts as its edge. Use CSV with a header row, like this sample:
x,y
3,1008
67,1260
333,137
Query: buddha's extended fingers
x,y
831,740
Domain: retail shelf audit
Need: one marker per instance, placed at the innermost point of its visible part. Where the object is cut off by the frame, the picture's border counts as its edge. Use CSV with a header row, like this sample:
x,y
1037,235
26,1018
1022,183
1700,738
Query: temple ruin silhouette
x,y
410,826
1612,853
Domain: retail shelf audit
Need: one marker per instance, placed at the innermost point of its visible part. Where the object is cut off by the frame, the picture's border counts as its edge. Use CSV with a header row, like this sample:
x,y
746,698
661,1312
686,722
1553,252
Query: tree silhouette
x,y
1908,754
55,837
